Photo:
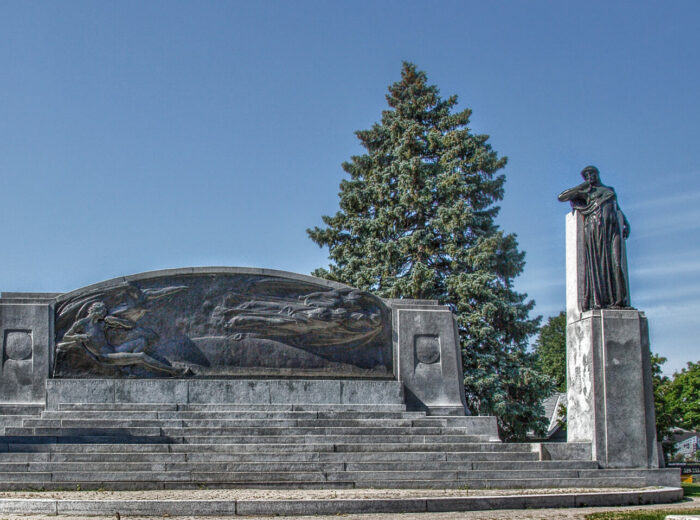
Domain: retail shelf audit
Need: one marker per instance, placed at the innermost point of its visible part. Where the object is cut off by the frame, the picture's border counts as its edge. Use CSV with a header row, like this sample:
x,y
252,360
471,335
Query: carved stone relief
x,y
18,345
427,348
212,325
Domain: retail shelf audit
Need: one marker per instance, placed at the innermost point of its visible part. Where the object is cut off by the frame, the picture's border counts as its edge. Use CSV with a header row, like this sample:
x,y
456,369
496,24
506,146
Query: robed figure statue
x,y
605,227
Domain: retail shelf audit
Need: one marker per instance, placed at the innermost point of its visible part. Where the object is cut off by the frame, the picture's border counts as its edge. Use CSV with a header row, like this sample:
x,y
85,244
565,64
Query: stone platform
x,y
259,379
100,434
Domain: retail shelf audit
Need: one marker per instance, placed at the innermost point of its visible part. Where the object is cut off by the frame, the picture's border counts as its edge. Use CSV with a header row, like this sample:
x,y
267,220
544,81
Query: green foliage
x,y
666,417
416,220
691,490
677,401
550,350
683,397
651,514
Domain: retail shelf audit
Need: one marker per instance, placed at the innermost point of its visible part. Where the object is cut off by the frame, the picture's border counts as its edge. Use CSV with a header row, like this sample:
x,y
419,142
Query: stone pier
x,y
610,401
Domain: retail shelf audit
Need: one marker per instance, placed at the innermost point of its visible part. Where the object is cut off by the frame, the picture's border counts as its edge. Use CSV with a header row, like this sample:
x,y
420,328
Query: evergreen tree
x,y
416,220
550,350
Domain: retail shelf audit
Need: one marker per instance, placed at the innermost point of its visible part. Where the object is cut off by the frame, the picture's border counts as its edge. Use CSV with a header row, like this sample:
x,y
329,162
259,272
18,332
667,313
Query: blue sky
x,y
144,135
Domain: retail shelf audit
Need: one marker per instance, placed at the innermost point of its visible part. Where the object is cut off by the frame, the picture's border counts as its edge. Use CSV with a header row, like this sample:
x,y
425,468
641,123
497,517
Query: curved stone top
x,y
210,270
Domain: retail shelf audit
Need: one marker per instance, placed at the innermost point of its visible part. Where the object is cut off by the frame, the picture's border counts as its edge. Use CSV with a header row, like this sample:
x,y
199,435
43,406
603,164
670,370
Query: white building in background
x,y
687,445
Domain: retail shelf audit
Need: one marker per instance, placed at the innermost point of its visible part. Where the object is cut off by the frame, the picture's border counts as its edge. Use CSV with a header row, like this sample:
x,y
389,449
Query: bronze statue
x,y
605,228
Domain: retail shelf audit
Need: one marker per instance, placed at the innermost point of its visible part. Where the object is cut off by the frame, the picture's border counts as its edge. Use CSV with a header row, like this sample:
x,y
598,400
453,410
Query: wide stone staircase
x,y
124,446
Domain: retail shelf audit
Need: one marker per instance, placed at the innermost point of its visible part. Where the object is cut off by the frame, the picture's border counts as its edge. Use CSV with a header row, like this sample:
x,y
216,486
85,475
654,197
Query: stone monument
x,y
239,377
200,325
609,387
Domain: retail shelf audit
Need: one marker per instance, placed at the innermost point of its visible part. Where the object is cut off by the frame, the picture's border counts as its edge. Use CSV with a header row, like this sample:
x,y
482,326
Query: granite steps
x,y
176,446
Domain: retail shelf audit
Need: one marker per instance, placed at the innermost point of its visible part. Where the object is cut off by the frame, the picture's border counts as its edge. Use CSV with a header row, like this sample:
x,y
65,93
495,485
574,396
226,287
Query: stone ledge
x,y
224,391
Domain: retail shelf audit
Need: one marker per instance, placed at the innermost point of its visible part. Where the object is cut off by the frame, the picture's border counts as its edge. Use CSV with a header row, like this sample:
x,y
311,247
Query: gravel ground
x,y
289,494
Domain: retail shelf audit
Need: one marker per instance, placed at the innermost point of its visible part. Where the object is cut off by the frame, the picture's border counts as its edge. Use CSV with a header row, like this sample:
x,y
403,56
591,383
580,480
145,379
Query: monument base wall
x,y
610,395
224,391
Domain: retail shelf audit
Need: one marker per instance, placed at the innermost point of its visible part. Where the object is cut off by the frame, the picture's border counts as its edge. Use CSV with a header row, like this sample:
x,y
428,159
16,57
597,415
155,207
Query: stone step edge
x,y
337,506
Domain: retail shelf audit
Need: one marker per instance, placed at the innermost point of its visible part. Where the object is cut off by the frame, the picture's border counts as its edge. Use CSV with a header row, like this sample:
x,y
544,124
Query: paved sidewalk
x,y
528,514
291,494
506,514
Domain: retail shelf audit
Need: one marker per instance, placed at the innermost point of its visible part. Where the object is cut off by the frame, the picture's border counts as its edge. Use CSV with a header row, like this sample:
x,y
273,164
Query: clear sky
x,y
146,135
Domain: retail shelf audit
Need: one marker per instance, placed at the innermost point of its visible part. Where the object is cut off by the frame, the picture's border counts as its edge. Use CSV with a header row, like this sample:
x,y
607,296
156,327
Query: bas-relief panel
x,y
213,325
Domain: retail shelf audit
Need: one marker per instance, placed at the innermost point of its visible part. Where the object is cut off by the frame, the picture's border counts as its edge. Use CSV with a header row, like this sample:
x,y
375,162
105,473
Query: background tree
x,y
666,415
682,397
416,220
550,350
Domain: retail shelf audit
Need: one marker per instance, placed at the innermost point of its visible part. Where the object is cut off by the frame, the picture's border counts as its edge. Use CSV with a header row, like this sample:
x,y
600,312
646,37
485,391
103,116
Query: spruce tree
x,y
416,220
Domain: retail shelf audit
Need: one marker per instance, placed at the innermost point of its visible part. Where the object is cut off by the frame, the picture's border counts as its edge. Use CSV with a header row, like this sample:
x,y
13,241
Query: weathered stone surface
x,y
24,350
610,400
429,358
561,451
575,269
204,392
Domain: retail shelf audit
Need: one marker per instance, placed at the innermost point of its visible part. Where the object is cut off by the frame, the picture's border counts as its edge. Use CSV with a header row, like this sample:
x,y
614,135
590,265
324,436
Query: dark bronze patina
x,y
227,323
605,228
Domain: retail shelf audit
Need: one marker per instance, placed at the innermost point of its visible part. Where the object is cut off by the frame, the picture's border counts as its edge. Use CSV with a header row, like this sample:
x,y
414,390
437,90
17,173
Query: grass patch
x,y
658,514
691,490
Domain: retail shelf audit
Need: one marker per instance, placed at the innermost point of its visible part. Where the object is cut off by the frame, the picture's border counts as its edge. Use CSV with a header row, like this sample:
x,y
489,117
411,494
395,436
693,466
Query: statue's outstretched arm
x,y
76,332
574,192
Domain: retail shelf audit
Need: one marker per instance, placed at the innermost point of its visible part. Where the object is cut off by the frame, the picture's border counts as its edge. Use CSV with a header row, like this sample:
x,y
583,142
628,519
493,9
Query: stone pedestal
x,y
610,395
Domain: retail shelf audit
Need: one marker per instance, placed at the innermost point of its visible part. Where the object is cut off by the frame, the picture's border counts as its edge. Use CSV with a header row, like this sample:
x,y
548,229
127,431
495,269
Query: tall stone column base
x,y
610,395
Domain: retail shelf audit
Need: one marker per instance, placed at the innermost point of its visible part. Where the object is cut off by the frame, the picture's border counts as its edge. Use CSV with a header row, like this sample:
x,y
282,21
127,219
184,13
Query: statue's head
x,y
98,309
591,174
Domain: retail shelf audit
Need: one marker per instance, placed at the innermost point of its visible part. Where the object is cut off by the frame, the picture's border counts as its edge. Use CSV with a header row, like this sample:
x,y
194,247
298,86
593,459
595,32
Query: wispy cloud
x,y
673,222
666,293
668,266
677,312
664,200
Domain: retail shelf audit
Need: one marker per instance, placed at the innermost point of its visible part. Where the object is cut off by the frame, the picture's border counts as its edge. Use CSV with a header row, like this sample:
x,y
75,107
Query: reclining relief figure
x,y
92,333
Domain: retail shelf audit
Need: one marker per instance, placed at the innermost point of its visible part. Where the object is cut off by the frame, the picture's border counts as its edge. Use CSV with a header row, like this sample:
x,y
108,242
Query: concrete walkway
x,y
106,504
516,514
